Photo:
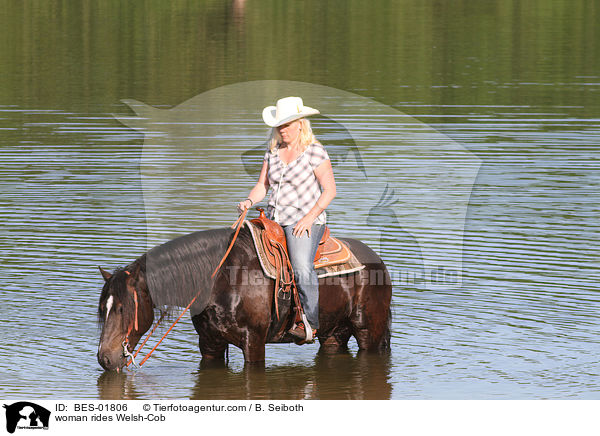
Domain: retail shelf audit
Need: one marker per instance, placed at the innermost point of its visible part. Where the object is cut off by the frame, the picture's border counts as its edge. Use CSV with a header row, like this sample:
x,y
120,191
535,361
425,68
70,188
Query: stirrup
x,y
308,329
309,332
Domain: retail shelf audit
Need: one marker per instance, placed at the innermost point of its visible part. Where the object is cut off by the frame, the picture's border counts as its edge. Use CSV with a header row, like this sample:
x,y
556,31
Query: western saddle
x,y
330,251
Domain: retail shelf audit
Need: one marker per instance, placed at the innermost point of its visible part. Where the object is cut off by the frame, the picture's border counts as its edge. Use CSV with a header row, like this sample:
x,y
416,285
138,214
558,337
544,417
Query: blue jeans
x,y
302,255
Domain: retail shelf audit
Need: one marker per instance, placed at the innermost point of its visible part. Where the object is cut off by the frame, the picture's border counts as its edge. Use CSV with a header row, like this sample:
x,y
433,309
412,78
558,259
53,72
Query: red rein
x,y
237,225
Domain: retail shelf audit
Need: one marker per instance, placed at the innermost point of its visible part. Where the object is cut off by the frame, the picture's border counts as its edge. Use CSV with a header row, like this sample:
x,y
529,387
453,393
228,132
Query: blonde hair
x,y
306,136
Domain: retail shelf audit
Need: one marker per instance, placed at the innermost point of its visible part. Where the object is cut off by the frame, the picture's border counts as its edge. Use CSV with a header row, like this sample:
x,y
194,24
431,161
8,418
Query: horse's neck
x,y
181,269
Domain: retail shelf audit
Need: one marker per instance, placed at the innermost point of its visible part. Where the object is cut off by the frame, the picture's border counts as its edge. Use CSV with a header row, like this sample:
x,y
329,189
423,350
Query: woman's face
x,y
289,132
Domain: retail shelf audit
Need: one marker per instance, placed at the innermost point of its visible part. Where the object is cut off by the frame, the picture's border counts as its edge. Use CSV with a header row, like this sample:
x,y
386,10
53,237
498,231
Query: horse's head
x,y
125,312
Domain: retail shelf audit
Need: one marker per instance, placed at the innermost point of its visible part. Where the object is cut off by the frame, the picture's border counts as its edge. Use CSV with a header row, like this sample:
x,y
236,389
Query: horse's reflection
x,y
331,377
117,386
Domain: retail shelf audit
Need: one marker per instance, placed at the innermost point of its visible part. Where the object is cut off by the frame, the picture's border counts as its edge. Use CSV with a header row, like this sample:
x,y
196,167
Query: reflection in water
x,y
337,377
331,377
524,325
117,386
238,9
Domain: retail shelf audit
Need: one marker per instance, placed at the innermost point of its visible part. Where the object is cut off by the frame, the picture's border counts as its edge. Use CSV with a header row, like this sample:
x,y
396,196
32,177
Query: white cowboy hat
x,y
287,109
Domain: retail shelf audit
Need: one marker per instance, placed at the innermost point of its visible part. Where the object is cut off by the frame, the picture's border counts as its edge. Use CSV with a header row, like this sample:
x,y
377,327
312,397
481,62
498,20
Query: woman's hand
x,y
304,225
243,205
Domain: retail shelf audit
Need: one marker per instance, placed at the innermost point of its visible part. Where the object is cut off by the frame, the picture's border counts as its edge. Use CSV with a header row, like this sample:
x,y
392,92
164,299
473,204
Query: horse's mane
x,y
181,268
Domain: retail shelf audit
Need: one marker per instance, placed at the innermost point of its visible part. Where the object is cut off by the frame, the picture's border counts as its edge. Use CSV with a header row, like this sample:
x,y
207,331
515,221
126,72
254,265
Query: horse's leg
x,y
372,333
371,316
335,296
212,349
371,337
253,346
336,341
211,343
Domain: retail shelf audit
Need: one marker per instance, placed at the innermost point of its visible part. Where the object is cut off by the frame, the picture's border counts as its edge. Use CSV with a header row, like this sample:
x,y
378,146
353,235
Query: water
x,y
523,324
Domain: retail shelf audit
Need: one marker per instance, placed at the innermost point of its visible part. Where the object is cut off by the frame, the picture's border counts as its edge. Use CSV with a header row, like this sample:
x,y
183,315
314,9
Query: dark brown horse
x,y
236,307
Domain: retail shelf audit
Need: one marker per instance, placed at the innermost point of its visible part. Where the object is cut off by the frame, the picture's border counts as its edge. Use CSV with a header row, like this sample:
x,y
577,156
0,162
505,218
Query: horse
x,y
236,306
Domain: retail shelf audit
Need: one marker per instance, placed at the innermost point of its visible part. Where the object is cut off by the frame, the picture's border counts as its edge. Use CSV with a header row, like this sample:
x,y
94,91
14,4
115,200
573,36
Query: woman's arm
x,y
259,191
324,174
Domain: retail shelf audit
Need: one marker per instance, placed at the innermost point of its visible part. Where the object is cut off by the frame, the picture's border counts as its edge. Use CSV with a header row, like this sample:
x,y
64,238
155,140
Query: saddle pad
x,y
350,266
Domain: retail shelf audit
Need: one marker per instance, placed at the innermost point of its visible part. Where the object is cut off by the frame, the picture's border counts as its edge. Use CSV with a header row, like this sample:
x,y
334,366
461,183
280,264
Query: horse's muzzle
x,y
111,361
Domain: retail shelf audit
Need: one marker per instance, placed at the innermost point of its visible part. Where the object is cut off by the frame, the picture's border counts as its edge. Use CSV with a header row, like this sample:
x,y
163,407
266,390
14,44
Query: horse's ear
x,y
135,272
105,274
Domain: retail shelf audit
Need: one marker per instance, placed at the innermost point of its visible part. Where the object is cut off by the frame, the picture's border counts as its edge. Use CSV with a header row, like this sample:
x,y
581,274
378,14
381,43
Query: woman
x,y
298,169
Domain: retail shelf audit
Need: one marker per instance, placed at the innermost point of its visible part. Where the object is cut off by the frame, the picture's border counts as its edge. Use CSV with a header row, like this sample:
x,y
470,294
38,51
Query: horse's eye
x,y
120,309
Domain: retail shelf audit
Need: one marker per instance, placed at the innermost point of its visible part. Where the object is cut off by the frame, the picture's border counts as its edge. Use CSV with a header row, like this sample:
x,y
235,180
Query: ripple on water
x,y
523,325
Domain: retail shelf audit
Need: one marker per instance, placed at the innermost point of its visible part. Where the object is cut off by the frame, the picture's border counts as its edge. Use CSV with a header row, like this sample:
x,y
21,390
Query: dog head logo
x,y
26,415
403,188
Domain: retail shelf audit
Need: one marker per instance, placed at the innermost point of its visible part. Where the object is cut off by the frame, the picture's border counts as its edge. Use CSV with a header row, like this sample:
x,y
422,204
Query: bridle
x,y
134,325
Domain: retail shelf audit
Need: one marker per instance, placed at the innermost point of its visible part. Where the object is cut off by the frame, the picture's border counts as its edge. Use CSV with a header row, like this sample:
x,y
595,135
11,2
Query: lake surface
x,y
512,87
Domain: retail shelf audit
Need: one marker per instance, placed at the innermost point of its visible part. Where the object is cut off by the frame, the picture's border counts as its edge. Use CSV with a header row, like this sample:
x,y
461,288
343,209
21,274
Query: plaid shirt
x,y
295,186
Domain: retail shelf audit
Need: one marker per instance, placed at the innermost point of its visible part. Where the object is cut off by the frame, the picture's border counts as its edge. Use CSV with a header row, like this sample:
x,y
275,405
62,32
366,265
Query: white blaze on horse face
x,y
109,304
